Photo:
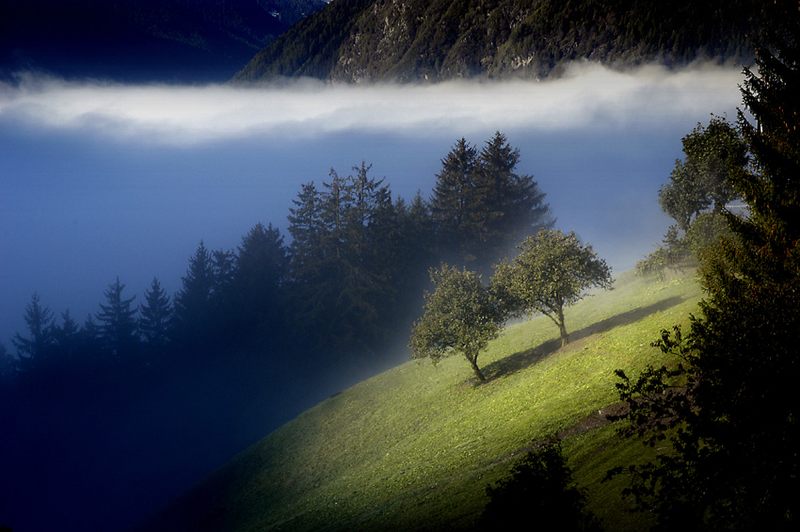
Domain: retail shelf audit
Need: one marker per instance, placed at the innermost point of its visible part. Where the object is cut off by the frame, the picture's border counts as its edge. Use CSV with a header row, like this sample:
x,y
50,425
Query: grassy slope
x,y
415,447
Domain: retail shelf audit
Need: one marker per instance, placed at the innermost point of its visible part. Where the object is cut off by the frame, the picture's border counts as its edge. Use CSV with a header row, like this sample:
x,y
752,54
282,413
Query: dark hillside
x,y
407,40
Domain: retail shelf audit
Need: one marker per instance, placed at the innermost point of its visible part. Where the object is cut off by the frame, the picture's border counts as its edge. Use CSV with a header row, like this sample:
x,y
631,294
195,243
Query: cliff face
x,y
409,40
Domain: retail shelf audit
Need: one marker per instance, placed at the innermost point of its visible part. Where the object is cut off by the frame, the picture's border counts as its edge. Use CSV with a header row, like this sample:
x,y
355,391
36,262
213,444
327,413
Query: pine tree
x,y
508,206
39,321
481,207
452,202
155,316
193,309
118,321
261,274
67,335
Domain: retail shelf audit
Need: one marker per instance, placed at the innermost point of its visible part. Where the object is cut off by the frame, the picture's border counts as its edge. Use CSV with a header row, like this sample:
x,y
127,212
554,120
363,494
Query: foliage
x,y
715,155
551,271
732,460
460,317
155,316
420,443
480,206
699,189
118,324
342,258
540,489
445,39
39,320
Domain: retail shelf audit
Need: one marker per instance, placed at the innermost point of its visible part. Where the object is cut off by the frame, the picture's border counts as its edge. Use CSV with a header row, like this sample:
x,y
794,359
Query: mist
x,y
102,179
99,180
588,95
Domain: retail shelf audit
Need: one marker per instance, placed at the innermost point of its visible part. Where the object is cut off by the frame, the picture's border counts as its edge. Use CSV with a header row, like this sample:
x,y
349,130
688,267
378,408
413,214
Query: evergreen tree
x,y
341,259
155,316
118,321
452,201
67,336
223,272
728,410
508,206
481,206
33,349
261,274
193,309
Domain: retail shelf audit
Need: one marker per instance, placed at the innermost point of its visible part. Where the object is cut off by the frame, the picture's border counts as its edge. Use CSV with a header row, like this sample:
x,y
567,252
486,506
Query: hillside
x,y
415,447
409,40
141,40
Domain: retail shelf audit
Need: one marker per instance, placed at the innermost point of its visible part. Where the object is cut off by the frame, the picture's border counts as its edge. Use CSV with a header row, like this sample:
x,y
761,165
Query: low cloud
x,y
587,95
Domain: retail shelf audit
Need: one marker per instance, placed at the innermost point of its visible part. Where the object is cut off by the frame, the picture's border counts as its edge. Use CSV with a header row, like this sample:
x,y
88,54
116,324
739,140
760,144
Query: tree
x,y
540,488
155,316
480,206
727,411
262,269
343,259
460,316
193,310
452,199
715,155
553,270
39,320
507,205
118,321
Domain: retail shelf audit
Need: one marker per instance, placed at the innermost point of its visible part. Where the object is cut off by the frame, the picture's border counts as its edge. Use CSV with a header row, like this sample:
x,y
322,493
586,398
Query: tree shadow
x,y
522,359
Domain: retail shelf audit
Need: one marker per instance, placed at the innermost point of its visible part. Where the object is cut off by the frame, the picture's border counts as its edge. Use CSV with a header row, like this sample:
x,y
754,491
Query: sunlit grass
x,y
416,446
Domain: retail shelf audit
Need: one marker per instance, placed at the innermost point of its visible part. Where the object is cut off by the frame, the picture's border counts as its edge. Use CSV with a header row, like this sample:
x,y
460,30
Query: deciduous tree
x,y
460,317
553,270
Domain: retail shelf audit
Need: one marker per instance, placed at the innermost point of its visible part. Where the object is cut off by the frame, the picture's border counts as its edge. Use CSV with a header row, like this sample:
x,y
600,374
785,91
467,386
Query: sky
x,y
99,180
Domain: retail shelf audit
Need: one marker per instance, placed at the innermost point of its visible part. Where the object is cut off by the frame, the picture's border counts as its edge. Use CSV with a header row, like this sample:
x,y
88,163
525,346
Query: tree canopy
x,y
460,317
714,155
553,270
728,411
481,206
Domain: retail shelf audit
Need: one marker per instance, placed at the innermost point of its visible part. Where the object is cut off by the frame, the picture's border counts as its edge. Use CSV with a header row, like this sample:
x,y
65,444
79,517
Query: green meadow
x,y
416,446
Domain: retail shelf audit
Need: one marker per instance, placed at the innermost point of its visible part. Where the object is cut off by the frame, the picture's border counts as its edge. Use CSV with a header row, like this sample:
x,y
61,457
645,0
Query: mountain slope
x,y
141,40
408,40
414,447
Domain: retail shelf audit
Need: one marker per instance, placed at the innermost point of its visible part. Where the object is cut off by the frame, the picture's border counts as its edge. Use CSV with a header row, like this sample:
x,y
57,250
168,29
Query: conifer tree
x,y
67,335
155,316
452,202
728,410
481,206
508,206
118,321
261,274
39,321
193,309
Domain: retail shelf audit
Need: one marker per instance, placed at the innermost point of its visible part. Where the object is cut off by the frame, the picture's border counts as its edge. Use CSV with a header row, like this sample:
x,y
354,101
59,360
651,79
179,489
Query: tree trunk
x,y
473,361
562,328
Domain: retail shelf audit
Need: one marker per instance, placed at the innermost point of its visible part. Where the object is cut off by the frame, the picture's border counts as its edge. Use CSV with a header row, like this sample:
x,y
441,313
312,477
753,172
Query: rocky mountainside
x,y
409,40
141,40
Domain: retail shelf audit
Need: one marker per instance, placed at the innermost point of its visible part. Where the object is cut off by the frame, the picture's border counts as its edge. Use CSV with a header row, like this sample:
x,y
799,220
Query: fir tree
x,y
261,274
118,321
39,320
193,310
155,316
452,202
